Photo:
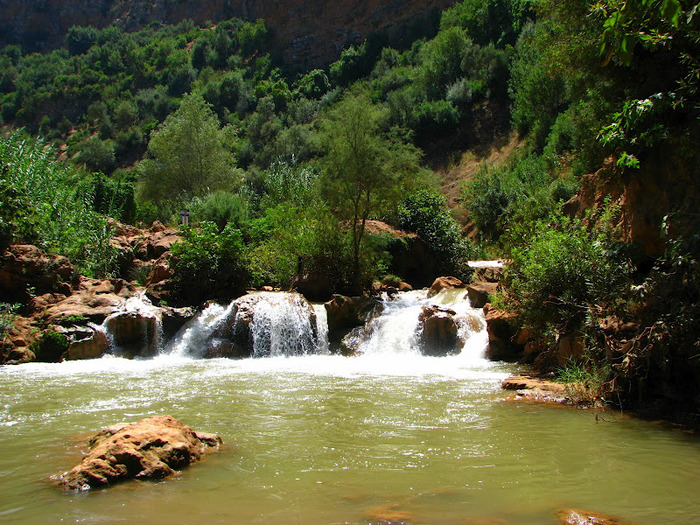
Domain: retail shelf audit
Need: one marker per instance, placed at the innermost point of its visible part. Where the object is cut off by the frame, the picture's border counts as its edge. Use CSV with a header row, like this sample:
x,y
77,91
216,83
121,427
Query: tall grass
x,y
49,203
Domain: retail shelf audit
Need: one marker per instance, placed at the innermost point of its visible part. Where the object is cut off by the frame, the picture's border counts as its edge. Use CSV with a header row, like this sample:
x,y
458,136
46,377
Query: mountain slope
x,y
309,33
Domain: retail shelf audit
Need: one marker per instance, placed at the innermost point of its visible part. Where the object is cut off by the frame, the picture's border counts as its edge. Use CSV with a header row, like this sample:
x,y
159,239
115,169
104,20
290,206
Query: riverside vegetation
x,y
282,169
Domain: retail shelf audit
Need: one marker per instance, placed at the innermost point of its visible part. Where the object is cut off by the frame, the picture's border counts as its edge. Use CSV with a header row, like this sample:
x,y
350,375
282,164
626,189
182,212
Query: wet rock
x,y
502,329
134,334
587,517
85,342
153,448
263,322
444,283
345,313
173,319
353,340
479,292
438,331
529,388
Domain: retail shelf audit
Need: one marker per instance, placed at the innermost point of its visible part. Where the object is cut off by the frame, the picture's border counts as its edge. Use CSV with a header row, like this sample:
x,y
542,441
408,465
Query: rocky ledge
x,y
151,449
529,388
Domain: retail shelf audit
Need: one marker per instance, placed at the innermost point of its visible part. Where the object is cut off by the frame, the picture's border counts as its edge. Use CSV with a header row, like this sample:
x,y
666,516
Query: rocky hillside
x,y
308,32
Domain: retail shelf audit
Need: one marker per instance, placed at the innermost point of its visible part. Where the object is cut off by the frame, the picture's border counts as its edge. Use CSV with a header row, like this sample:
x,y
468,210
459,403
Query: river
x,y
321,439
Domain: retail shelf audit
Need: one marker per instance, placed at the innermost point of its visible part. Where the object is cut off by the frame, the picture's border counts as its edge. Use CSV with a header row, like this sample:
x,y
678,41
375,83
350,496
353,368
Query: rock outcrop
x,y
152,449
26,271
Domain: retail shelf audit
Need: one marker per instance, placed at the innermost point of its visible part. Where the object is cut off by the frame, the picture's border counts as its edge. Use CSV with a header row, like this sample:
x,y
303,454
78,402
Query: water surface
x,y
320,439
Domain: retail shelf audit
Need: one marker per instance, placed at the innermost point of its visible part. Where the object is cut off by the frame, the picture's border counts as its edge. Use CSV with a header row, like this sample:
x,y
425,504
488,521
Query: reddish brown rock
x,y
25,267
587,517
87,343
444,283
438,336
530,388
345,313
153,448
502,329
479,292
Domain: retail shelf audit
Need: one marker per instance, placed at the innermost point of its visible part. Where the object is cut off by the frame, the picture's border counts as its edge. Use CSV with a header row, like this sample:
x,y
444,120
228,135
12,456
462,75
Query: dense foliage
x,y
50,204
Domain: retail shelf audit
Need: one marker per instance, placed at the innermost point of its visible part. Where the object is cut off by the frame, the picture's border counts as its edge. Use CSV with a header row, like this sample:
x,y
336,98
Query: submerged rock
x,y
538,390
587,517
153,448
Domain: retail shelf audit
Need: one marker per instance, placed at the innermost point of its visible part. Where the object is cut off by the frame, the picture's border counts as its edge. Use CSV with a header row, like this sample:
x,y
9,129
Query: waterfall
x,y
398,330
192,339
282,326
274,324
322,328
136,329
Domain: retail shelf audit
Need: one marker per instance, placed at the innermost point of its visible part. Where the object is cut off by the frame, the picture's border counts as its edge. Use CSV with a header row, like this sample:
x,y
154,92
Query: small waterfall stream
x,y
277,324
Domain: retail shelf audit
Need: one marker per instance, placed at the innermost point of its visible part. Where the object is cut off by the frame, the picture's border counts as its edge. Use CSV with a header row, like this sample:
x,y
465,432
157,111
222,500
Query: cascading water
x,y
260,324
192,339
398,329
284,324
136,328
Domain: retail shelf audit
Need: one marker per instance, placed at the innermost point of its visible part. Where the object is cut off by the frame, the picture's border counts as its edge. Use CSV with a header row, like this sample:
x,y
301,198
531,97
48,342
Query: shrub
x,y
47,203
209,264
424,213
564,273
222,208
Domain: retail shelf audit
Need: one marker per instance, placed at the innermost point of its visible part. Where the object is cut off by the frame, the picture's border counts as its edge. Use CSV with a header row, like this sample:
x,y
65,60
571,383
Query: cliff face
x,y
308,32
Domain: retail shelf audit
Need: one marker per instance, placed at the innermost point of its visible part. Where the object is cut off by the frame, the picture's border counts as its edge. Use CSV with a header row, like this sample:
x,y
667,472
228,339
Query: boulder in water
x,y
134,333
85,342
479,293
438,331
153,448
502,330
444,283
345,313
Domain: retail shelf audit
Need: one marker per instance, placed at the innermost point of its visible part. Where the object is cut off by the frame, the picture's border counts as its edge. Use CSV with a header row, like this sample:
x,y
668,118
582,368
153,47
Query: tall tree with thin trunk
x,y
367,167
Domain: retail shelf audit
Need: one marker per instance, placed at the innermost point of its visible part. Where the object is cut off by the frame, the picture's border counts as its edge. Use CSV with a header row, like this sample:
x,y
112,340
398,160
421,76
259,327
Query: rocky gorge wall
x,y
309,33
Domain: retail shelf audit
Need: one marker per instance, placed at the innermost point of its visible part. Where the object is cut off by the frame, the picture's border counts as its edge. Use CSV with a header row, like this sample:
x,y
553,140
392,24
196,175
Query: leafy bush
x,y
222,208
563,274
208,264
424,213
7,320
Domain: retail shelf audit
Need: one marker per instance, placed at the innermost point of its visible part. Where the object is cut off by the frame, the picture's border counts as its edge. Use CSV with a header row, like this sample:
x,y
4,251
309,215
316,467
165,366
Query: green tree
x,y
366,166
190,155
